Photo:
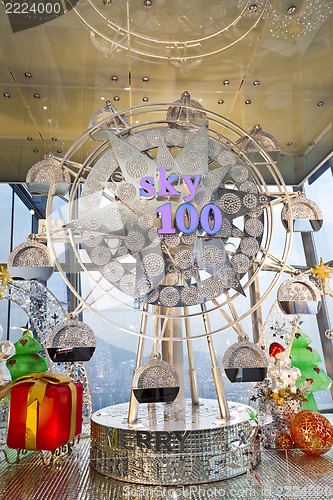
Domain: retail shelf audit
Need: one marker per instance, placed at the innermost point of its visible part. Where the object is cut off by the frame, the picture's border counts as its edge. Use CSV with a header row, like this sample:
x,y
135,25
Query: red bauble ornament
x,y
275,348
312,432
284,442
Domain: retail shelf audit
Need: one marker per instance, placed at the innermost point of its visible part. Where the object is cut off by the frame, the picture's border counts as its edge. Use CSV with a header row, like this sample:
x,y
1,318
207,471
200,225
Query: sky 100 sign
x,y
209,212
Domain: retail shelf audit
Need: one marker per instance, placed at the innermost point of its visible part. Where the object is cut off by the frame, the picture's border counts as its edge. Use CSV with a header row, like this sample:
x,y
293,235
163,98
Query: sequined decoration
x,y
171,241
88,222
152,296
254,227
250,201
127,284
249,246
184,259
106,165
135,241
30,254
248,187
126,191
213,178
138,142
124,152
145,221
239,173
100,256
226,158
202,198
141,206
91,239
193,160
227,276
174,137
241,263
211,255
213,147
189,239
230,203
154,137
169,296
71,333
211,288
190,295
136,167
165,161
114,219
45,170
153,265
153,234
95,181
113,271
144,285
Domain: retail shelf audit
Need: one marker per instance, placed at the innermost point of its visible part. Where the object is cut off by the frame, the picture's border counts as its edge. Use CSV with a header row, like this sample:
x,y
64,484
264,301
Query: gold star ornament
x,y
322,271
4,278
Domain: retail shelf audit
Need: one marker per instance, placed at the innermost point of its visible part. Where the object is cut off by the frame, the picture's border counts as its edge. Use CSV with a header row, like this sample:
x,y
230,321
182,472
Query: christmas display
x,y
307,359
30,261
312,432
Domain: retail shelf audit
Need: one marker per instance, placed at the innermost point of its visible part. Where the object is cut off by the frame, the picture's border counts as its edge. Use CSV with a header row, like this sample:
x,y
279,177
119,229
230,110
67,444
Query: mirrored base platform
x,y
174,443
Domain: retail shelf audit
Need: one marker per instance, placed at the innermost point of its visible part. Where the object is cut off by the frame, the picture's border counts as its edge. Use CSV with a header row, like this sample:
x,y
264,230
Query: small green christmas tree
x,y
307,359
26,359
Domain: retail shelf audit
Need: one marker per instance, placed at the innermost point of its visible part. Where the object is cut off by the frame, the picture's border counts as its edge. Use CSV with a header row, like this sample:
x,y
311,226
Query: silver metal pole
x,y
217,375
134,404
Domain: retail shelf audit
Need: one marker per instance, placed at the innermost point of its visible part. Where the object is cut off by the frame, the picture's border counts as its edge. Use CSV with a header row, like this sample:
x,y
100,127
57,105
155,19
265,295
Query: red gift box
x,y
45,412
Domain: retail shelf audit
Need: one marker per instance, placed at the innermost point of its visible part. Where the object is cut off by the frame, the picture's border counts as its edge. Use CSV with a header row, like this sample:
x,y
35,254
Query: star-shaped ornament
x,y
322,271
4,278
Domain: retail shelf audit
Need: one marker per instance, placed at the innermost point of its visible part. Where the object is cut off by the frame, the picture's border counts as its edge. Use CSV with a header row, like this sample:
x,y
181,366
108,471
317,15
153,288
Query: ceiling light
x,y
248,101
312,143
35,151
45,108
281,154
59,151
253,7
116,98
114,78
107,2
256,83
102,98
291,9
221,101
148,3
32,211
226,82
320,103
145,79
37,96
54,139
29,138
289,143
302,154
28,75
145,99
6,95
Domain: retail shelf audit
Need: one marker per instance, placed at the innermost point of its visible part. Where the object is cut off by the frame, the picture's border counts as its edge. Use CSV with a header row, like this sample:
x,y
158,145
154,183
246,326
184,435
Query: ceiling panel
x,y
73,74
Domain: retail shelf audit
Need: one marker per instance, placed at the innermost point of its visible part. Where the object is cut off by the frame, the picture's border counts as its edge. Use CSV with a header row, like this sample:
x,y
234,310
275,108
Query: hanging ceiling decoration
x,y
116,123
180,31
293,21
30,261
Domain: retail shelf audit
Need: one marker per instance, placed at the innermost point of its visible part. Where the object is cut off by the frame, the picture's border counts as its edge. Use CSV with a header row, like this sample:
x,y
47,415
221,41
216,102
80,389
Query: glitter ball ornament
x,y
312,432
284,442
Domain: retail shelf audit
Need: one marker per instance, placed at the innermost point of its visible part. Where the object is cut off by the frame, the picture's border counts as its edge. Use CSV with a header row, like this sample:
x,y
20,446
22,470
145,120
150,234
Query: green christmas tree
x,y
307,360
26,359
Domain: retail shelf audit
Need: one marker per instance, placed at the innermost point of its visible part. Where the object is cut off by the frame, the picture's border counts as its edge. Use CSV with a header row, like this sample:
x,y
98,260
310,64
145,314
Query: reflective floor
x,y
70,477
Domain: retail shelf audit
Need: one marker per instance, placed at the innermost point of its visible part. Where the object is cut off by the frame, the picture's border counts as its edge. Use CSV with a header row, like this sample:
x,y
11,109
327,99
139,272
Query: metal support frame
x,y
257,314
